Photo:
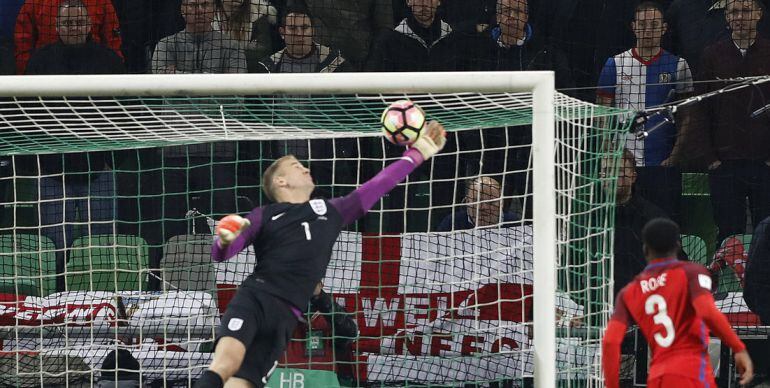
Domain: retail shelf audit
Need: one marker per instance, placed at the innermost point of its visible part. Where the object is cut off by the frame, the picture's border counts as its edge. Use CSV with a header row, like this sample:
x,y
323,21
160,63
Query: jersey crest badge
x,y
664,78
626,77
318,206
235,324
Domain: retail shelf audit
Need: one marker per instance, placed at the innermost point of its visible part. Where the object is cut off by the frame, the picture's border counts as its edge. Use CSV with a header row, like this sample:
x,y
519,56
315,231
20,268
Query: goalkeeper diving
x,y
293,240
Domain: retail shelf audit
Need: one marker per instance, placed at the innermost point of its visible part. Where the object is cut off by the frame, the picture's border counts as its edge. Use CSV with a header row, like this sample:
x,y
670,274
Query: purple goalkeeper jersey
x,y
293,242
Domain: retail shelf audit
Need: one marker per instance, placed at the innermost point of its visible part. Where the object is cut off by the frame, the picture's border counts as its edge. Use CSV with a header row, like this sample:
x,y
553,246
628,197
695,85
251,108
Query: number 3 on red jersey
x,y
655,304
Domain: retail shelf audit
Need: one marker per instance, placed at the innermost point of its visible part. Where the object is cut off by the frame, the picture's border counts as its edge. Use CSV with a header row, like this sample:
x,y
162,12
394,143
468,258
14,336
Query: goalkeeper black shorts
x,y
264,324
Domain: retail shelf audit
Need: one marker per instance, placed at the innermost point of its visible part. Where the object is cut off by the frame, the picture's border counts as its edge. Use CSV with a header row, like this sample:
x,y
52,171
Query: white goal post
x,y
540,84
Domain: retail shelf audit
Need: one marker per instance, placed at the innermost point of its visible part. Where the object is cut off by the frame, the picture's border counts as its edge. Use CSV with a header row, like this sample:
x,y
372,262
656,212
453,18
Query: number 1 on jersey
x,y
307,230
660,318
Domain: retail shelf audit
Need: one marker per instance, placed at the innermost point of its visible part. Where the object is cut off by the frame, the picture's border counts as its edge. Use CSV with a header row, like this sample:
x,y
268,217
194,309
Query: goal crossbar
x,y
253,84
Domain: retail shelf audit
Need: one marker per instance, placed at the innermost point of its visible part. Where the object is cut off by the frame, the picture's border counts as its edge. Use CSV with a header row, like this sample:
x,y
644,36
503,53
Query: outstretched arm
x,y
245,234
354,205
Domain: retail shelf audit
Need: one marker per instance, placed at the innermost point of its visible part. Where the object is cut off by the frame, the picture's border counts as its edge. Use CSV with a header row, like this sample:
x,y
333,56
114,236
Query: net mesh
x,y
93,123
109,205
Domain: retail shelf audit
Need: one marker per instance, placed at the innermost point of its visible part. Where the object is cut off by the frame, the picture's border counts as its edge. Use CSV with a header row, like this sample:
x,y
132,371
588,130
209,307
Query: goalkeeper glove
x,y
229,227
432,141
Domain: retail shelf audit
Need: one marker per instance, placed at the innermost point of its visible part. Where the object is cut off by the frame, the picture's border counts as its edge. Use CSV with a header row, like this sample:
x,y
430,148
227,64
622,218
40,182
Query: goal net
x,y
110,195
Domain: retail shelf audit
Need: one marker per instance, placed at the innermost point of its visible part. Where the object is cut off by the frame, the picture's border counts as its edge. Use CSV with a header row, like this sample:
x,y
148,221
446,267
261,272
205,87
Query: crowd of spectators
x,y
573,38
635,55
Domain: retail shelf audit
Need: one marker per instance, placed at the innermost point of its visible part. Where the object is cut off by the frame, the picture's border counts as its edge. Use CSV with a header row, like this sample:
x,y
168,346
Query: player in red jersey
x,y
672,304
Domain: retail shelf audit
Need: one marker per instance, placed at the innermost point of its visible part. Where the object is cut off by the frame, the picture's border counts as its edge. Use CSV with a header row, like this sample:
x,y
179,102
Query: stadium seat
x,y
107,263
186,263
695,248
728,281
19,204
28,264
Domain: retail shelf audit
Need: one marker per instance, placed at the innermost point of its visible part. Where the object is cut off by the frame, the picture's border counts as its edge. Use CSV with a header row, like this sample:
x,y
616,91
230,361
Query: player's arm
x,y
613,337
703,303
234,233
354,205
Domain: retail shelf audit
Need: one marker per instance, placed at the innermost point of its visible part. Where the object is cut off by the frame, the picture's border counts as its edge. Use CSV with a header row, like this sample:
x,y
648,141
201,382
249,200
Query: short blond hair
x,y
270,173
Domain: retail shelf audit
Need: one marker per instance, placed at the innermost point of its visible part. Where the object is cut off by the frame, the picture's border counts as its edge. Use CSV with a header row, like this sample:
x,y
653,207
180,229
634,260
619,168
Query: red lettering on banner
x,y
412,342
381,312
416,308
468,345
437,345
417,343
504,342
440,305
19,313
384,315
461,309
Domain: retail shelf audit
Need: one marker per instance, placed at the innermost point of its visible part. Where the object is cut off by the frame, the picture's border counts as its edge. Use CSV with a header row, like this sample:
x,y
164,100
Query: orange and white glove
x,y
229,227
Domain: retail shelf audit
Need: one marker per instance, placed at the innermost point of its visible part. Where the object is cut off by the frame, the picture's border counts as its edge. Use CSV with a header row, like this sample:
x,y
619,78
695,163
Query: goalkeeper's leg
x,y
228,357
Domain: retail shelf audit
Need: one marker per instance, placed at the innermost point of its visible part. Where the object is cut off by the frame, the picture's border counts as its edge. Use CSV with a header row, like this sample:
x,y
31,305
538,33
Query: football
x,y
402,122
